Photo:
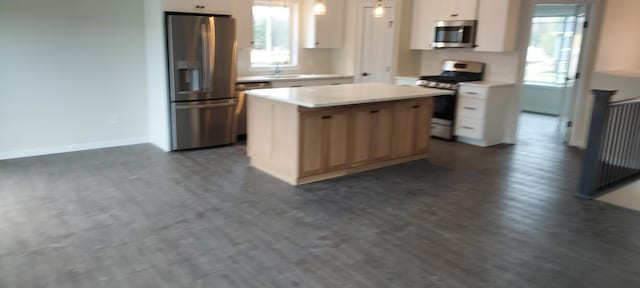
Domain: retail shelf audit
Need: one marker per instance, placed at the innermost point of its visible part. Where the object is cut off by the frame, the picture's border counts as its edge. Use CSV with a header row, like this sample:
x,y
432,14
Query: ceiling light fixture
x,y
320,8
379,10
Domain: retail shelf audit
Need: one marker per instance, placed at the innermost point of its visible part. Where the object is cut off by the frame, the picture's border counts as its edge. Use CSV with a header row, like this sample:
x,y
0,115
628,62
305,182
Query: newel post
x,y
591,161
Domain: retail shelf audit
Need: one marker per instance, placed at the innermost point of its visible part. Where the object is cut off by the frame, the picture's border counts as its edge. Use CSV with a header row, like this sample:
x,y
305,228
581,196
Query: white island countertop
x,y
346,94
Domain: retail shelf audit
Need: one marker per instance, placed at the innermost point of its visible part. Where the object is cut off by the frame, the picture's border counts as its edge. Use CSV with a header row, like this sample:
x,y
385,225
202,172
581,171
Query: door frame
x,y
361,5
593,10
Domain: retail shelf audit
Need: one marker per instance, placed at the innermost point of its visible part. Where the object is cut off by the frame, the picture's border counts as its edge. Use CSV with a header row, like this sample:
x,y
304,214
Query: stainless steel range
x,y
444,108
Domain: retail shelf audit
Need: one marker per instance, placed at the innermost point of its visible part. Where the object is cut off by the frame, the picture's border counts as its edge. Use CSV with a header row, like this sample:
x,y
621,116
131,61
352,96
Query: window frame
x,y
294,7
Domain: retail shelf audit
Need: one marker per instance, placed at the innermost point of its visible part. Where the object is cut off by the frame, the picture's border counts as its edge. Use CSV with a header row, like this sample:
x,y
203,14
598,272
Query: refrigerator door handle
x,y
204,40
234,62
181,106
212,48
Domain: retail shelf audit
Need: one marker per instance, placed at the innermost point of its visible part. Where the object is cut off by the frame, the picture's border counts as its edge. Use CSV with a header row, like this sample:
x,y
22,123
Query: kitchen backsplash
x,y
310,61
500,66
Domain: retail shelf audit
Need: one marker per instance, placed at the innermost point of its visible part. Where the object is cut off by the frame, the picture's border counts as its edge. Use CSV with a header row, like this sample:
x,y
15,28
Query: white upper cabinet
x,y
244,22
422,25
324,31
224,7
427,12
457,9
498,22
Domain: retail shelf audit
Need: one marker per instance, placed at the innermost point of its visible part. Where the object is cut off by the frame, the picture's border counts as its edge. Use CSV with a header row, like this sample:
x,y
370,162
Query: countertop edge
x,y
261,78
345,103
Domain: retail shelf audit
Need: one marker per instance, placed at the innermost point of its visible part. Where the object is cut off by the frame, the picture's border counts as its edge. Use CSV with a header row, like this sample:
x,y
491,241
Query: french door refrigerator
x,y
202,65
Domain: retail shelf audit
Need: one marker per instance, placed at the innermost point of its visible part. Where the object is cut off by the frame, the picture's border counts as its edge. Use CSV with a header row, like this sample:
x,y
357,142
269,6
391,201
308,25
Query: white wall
x,y
73,75
157,75
408,61
620,38
310,61
627,85
542,99
344,59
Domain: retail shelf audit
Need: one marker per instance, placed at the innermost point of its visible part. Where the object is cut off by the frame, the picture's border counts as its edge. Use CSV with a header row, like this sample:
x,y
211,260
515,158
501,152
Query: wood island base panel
x,y
302,145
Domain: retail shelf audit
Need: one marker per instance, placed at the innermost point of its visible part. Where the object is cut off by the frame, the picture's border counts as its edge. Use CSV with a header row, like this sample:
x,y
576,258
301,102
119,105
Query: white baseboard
x,y
578,144
162,145
70,148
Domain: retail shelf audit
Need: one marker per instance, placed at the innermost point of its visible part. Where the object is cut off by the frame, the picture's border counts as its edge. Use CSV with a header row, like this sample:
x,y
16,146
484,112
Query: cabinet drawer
x,y
471,128
473,92
471,108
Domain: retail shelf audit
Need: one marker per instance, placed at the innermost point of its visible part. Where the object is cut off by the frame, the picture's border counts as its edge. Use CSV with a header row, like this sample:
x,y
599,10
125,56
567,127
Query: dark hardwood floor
x,y
134,216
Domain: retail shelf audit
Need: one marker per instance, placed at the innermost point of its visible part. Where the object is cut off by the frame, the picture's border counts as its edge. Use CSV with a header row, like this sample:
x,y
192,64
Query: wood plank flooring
x,y
134,216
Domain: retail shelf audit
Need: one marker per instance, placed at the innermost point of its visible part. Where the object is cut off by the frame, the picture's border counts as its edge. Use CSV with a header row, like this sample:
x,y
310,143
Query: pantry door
x,y
377,45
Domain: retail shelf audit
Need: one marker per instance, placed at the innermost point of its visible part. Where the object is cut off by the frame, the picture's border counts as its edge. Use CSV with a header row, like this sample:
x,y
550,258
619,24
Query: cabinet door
x,y
372,134
459,10
180,5
404,125
361,133
311,141
336,134
324,31
382,133
498,31
422,25
216,6
423,125
244,22
324,143
412,127
198,6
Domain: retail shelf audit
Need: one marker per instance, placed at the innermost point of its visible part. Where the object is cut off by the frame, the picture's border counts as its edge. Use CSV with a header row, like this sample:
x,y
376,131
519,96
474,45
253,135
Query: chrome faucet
x,y
277,71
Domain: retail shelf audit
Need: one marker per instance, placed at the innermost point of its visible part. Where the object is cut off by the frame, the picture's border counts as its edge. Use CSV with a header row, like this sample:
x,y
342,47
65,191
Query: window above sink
x,y
274,34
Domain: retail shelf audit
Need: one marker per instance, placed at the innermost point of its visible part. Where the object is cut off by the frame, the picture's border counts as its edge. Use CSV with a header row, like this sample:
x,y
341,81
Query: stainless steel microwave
x,y
455,34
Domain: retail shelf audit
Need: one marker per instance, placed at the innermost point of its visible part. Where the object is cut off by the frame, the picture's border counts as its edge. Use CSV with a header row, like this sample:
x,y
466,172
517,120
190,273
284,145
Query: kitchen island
x,y
307,134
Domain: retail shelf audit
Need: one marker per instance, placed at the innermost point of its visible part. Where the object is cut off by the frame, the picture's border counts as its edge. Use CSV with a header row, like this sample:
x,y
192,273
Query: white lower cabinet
x,y
472,128
482,113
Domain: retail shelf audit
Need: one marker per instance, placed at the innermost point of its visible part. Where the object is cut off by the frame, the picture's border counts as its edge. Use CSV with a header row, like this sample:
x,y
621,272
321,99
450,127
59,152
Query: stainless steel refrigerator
x,y
202,65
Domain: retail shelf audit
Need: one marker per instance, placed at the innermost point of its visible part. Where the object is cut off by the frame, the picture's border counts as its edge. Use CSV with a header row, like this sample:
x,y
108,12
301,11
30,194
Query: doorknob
x,y
365,74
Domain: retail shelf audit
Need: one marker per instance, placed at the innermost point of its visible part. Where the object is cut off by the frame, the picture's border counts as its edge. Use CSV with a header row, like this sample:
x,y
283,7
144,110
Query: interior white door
x,y
377,46
573,77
